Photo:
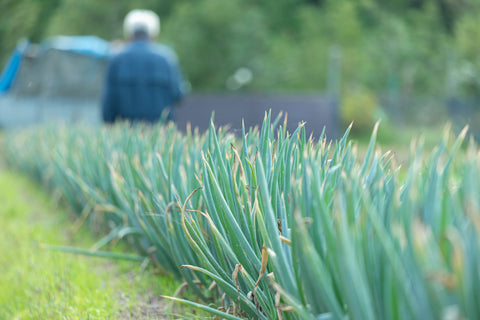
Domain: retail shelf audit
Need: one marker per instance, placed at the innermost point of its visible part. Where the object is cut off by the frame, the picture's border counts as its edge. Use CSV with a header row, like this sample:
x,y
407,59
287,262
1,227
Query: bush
x,y
361,107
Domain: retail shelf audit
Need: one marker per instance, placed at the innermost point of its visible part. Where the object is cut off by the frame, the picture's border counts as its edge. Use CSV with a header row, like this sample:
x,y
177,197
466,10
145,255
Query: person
x,y
144,79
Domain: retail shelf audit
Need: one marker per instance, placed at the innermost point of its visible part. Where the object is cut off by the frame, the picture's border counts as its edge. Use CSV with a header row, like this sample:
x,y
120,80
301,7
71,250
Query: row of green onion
x,y
275,225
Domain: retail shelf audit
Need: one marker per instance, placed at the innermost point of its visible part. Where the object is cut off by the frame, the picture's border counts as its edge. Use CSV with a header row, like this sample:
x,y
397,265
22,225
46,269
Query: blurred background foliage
x,y
389,47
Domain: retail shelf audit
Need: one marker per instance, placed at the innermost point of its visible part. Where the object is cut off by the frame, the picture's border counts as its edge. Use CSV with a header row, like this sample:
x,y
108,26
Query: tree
x,y
18,19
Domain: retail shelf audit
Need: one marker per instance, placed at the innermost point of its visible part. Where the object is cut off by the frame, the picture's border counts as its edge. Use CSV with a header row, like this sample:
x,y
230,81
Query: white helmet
x,y
145,21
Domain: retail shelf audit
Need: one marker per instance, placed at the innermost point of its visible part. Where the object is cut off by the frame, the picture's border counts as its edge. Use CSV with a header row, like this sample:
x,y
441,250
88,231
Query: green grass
x,y
36,283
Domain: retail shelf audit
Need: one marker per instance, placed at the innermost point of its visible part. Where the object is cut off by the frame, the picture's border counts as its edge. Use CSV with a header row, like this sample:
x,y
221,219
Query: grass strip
x,y
36,283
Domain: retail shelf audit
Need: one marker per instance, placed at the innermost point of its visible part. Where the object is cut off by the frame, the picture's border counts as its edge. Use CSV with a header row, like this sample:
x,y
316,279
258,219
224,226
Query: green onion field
x,y
265,225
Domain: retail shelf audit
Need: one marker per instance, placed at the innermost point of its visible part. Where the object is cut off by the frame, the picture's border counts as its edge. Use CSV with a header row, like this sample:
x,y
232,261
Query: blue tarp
x,y
86,45
10,70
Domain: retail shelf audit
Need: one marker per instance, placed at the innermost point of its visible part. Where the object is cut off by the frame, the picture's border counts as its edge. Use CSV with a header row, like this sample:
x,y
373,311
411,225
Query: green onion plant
x,y
276,225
